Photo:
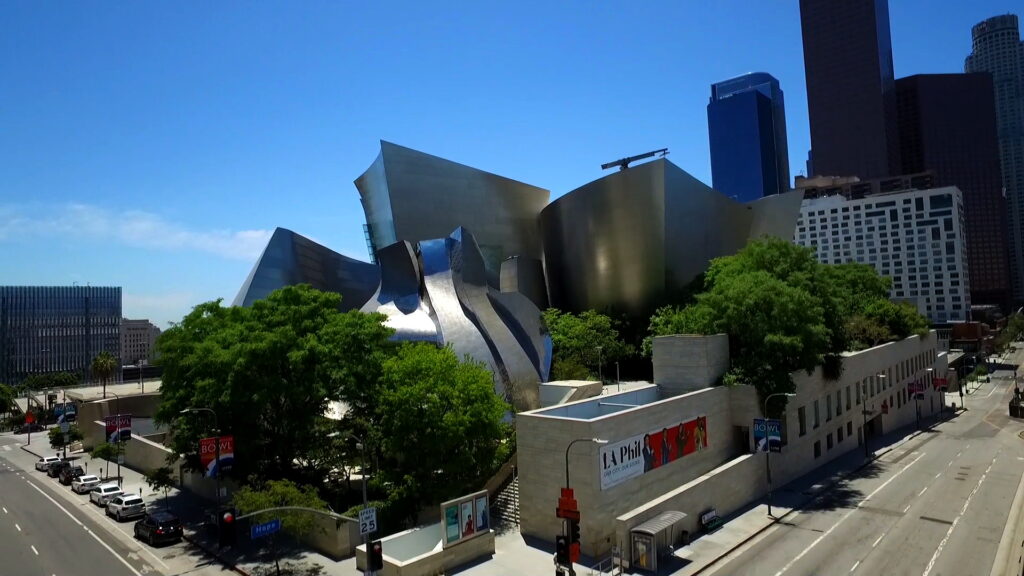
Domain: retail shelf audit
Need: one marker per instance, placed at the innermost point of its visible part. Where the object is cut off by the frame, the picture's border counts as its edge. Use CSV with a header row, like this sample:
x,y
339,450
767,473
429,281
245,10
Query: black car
x,y
69,473
26,428
158,527
55,469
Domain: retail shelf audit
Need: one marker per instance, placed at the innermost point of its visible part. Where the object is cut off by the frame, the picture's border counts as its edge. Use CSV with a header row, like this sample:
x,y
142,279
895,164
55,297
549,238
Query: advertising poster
x,y
208,454
640,454
118,428
451,524
481,514
767,435
643,552
467,519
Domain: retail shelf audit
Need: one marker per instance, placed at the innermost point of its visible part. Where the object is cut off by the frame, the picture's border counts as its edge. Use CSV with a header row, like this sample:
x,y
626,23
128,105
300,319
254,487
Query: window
x,y
828,408
828,441
839,434
817,449
858,385
839,402
849,429
847,398
801,416
817,418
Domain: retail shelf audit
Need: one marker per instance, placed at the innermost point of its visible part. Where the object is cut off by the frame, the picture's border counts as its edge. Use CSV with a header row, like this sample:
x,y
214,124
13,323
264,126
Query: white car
x,y
125,506
104,493
43,464
84,484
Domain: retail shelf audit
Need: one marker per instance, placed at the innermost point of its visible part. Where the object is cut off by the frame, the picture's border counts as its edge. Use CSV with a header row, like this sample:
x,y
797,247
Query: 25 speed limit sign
x,y
367,521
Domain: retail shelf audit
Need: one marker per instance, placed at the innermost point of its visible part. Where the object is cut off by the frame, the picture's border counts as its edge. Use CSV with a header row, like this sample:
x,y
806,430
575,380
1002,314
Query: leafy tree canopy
x,y
268,372
784,311
575,339
42,381
278,493
7,396
57,437
443,424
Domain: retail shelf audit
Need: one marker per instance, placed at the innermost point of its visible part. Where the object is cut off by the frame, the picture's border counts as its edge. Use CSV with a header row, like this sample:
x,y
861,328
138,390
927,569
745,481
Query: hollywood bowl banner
x,y
642,453
208,454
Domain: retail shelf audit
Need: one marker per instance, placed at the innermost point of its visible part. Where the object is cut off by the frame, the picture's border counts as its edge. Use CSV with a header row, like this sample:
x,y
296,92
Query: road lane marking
x,y
18,527
5,510
855,564
847,515
34,550
945,539
922,491
907,508
879,540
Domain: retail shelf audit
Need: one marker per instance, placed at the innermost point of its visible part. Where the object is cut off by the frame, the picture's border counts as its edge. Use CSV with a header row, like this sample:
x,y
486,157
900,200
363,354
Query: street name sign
x,y
265,529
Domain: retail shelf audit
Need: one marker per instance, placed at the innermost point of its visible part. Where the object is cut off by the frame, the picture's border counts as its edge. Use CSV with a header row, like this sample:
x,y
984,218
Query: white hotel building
x,y
915,237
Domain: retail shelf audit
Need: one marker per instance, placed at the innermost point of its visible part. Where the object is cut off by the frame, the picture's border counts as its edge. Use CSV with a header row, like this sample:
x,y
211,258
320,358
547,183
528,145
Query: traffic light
x,y
376,557
226,527
562,550
574,532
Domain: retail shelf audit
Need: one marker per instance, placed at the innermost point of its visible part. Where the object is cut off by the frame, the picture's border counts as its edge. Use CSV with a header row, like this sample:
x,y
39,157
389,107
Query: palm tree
x,y
103,366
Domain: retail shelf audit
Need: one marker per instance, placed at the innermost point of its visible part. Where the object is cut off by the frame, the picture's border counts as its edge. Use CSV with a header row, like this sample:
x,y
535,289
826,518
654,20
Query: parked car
x,y
55,469
85,484
158,527
44,463
104,493
126,506
68,474
26,428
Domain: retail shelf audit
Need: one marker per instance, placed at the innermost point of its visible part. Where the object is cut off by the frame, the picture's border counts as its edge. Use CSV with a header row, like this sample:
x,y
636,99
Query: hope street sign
x,y
265,529
367,521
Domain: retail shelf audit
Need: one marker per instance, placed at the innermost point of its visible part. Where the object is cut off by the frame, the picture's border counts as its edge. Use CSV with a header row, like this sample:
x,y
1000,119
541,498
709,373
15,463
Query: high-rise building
x,y
747,131
57,329
997,49
138,339
914,237
851,100
947,125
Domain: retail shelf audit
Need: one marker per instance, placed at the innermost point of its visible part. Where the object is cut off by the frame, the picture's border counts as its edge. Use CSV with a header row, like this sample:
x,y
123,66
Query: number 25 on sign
x,y
367,521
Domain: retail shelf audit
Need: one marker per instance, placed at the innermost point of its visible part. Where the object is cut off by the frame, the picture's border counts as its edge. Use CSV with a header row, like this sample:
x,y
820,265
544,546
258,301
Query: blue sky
x,y
155,145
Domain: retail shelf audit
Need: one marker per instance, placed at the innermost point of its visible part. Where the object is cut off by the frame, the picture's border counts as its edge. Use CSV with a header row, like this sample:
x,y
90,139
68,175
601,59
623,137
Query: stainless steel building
x,y
627,241
410,195
57,329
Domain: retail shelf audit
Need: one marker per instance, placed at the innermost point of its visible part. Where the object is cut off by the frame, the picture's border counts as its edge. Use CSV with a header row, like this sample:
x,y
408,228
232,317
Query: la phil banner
x,y
645,452
118,428
208,454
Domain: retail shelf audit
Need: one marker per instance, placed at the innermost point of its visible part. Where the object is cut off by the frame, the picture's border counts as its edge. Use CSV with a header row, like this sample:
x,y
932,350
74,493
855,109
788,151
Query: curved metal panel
x,y
399,295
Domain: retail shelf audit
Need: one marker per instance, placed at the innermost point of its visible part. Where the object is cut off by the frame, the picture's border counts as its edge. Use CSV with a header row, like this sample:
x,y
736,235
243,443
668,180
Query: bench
x,y
710,521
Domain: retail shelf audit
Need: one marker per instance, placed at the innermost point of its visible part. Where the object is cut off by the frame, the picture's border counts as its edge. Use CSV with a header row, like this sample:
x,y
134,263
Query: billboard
x,y
767,435
118,428
642,453
464,518
208,454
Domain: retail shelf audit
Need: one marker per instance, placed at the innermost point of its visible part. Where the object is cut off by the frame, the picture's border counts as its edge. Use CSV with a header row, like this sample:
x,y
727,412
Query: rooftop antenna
x,y
624,163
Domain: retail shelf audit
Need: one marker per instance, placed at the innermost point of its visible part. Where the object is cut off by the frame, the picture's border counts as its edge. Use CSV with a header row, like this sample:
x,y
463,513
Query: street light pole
x,y
117,426
361,446
767,445
618,380
216,461
598,441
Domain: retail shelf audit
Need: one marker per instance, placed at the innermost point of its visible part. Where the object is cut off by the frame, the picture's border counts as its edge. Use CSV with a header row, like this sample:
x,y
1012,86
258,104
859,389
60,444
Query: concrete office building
x,y
851,99
138,340
57,329
705,461
747,132
914,237
998,50
947,125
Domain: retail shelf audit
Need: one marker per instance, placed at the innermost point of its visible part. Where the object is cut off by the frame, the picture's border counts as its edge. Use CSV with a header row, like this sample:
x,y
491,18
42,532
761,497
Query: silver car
x,y
126,506
103,493
84,484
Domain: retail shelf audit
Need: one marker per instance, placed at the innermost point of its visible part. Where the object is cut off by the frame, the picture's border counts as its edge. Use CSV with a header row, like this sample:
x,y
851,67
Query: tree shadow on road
x,y
838,491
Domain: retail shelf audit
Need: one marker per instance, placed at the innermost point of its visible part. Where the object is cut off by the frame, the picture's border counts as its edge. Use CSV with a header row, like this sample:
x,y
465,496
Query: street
x,y
937,504
42,535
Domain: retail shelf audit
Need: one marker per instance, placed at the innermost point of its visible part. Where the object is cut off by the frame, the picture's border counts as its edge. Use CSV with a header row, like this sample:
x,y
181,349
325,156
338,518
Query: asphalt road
x,y
42,536
937,505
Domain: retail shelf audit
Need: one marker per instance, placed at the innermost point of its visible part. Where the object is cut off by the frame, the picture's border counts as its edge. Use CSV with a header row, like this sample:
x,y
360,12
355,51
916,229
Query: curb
x,y
26,449
210,552
874,455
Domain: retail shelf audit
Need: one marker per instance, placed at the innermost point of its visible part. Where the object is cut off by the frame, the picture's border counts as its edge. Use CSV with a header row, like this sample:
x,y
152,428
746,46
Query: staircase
x,y
505,508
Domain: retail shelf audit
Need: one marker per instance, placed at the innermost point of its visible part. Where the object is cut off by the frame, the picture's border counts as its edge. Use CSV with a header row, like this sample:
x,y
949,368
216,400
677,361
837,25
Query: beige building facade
x,y
673,450
138,338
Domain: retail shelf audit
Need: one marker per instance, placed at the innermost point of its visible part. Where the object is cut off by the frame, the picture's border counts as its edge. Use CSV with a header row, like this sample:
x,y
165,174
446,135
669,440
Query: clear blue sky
x,y
155,145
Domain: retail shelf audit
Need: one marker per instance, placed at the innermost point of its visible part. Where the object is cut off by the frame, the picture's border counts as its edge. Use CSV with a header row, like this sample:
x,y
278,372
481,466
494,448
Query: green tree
x,y
269,372
583,343
57,437
280,493
441,424
104,366
161,478
7,396
1010,333
105,452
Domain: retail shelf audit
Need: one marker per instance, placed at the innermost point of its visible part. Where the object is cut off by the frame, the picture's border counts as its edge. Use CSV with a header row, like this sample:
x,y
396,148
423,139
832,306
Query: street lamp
x,y
567,448
216,430
117,426
361,446
767,445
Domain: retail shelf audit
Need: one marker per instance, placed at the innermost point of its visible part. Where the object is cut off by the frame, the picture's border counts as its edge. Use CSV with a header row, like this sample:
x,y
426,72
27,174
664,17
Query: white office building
x,y
915,237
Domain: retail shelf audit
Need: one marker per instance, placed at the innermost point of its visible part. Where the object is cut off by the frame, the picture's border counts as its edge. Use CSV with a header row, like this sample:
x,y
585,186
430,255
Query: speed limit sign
x,y
367,521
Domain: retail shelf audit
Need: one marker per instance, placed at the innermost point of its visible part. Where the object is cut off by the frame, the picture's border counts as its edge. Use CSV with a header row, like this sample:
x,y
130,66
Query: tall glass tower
x,y
747,131
997,49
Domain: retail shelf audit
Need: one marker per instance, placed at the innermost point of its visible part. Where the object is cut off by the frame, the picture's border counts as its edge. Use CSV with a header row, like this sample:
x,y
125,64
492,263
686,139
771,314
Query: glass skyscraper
x,y
747,132
57,329
997,50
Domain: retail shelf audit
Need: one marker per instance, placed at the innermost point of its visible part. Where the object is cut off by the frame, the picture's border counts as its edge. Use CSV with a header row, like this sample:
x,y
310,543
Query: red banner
x,y
940,383
208,454
119,428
